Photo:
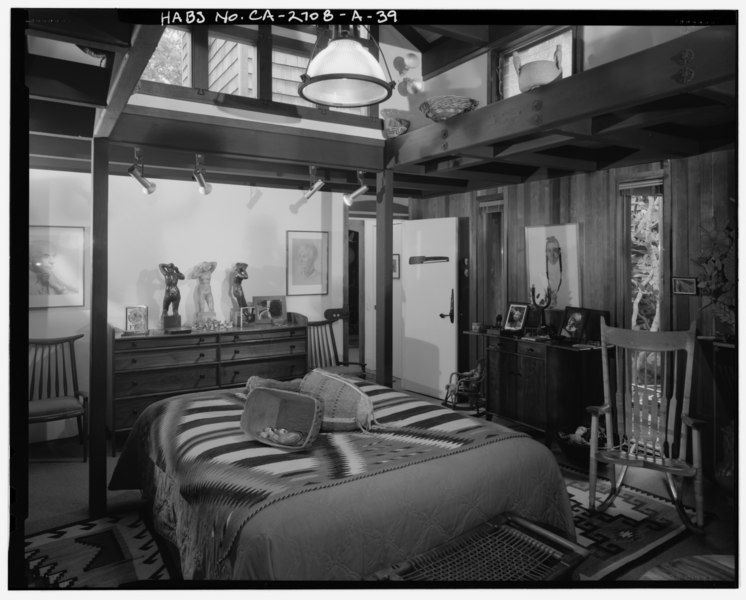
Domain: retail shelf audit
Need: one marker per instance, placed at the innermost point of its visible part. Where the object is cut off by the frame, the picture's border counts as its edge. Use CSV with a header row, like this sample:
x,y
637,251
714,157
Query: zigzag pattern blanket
x,y
208,482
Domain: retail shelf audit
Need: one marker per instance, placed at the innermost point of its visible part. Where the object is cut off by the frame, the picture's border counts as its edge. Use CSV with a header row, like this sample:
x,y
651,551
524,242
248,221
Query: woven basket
x,y
395,127
441,108
282,409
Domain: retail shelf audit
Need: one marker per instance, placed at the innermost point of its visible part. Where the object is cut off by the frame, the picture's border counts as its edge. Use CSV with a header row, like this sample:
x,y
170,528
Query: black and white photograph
x,y
265,244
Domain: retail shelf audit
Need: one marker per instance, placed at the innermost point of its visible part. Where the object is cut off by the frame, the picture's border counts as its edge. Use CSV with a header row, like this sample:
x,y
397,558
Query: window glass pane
x,y
231,67
544,50
645,211
172,60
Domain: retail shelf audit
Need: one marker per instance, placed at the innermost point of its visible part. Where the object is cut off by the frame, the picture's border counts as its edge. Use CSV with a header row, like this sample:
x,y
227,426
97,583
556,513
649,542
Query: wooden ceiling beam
x,y
54,118
642,77
88,28
476,35
65,81
145,40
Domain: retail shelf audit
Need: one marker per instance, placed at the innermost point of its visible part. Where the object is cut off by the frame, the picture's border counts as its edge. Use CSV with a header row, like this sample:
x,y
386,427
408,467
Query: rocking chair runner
x,y
467,387
646,413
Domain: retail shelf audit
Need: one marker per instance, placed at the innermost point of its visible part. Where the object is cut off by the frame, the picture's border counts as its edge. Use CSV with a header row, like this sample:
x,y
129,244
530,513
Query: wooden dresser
x,y
147,368
543,385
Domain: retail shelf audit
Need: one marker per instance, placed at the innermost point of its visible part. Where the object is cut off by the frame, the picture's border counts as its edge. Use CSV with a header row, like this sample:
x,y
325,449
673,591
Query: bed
x,y
347,506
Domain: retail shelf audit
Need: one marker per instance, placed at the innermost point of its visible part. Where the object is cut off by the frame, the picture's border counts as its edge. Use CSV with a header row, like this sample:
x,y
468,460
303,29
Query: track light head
x,y
314,188
204,187
348,199
135,171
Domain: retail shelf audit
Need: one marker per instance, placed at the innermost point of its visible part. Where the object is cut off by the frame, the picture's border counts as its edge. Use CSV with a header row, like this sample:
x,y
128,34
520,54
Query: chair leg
x,y
675,490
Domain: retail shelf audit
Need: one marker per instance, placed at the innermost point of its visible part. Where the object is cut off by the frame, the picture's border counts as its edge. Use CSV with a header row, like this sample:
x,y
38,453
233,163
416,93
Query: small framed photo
x,y
307,263
136,320
517,312
270,309
684,286
396,266
573,323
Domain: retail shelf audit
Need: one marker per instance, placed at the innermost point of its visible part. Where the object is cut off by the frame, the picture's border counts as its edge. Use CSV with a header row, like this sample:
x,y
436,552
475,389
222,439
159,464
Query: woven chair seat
x,y
660,463
51,409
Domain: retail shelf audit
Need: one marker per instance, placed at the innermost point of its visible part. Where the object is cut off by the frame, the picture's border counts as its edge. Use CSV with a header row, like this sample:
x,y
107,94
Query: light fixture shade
x,y
345,74
204,187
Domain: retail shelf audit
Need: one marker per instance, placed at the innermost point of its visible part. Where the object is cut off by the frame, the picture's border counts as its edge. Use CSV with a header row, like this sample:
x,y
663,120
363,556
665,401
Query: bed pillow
x,y
346,407
255,381
281,418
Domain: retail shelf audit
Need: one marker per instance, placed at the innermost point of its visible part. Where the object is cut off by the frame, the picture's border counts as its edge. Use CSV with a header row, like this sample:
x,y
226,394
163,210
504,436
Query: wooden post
x,y
99,327
384,285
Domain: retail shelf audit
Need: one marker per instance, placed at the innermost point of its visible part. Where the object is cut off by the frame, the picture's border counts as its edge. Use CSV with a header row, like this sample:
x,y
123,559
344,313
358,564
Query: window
x,y
507,85
231,67
644,204
172,60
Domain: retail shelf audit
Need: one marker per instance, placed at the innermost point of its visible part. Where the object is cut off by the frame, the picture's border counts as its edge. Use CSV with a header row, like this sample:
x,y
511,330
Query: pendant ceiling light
x,y
345,74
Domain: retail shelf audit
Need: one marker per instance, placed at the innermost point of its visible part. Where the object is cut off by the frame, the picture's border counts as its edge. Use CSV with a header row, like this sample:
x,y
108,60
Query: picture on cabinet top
x,y
552,263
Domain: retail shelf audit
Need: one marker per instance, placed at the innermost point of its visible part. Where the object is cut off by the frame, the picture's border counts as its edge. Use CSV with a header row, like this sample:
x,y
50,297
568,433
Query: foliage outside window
x,y
172,60
645,205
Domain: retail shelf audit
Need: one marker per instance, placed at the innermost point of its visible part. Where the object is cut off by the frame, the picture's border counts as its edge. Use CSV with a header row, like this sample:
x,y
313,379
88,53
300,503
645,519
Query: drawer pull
x,y
134,360
235,352
201,354
292,347
530,350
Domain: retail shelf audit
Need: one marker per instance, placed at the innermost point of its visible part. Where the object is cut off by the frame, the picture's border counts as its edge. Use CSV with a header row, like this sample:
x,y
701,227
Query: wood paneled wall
x,y
697,190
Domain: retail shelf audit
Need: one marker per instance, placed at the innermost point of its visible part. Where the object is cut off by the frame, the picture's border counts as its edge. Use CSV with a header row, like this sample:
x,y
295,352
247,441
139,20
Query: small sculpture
x,y
172,296
203,273
541,299
238,275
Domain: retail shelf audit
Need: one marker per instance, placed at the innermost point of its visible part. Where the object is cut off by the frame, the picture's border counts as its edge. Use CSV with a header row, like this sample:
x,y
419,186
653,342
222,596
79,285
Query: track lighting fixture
x,y
316,183
350,198
137,171
199,175
345,73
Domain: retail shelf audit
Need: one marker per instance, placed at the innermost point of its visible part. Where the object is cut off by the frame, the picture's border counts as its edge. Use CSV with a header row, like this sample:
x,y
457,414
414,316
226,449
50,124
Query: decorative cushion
x,y
346,407
281,418
255,381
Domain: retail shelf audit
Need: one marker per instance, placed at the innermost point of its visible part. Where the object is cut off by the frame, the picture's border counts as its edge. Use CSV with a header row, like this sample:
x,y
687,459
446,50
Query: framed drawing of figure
x,y
56,266
307,263
552,263
573,323
516,318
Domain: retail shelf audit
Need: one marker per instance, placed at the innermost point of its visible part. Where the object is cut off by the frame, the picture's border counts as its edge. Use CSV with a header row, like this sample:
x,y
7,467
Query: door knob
x,y
450,314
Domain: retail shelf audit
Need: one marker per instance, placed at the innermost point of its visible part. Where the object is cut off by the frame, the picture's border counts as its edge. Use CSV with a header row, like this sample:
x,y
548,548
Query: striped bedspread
x,y
208,481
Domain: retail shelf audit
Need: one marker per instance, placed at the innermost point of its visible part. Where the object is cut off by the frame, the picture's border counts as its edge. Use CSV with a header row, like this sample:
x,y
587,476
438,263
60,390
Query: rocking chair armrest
x,y
597,411
82,395
692,422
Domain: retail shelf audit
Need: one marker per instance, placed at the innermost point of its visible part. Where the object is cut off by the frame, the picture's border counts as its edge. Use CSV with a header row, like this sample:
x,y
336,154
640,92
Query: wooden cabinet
x,y
543,385
144,369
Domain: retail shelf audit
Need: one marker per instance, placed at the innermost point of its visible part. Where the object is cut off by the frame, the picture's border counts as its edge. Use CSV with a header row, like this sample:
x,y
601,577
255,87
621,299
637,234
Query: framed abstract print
x,y
56,266
553,265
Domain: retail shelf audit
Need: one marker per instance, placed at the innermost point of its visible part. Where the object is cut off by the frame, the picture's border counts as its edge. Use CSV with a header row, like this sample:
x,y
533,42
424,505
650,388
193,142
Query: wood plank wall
x,y
700,189
697,190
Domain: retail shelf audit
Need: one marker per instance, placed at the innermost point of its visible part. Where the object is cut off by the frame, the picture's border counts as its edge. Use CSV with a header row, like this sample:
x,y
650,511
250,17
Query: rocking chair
x,y
646,413
467,387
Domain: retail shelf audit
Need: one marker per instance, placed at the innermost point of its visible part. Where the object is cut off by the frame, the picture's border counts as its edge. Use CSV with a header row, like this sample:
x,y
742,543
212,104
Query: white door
x,y
429,304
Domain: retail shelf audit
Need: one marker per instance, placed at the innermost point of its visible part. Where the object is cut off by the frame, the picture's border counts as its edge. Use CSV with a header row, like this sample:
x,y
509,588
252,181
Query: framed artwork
x,y
56,266
136,320
684,286
307,263
553,265
516,318
270,309
395,266
573,323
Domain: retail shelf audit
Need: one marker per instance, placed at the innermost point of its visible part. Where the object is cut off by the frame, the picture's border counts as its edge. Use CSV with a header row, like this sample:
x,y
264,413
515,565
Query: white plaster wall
x,y
177,224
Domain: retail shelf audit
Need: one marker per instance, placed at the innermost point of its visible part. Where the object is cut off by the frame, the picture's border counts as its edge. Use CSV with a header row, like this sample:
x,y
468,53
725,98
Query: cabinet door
x,y
500,393
530,393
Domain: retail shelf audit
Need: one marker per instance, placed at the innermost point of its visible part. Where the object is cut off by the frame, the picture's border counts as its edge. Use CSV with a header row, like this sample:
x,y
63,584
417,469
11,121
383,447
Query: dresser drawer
x,y
285,368
532,349
501,344
144,359
171,341
176,381
287,347
262,334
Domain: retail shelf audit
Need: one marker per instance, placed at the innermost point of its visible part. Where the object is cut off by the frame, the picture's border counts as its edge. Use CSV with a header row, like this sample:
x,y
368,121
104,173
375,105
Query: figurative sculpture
x,y
172,297
238,275
203,273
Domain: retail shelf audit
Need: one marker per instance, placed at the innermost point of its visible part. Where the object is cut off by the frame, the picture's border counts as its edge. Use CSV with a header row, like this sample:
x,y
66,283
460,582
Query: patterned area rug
x,y
635,525
103,553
